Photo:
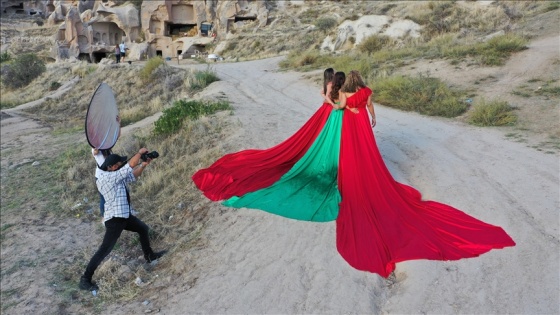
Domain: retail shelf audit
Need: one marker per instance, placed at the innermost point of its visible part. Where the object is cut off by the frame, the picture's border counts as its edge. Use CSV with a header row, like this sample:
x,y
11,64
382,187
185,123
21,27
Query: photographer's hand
x,y
135,160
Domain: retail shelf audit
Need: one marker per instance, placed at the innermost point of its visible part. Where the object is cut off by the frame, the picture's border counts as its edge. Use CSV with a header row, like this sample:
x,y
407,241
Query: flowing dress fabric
x,y
382,222
331,169
238,173
309,191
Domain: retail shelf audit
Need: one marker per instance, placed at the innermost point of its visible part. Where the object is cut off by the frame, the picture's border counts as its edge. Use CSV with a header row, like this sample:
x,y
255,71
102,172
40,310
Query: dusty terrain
x,y
255,262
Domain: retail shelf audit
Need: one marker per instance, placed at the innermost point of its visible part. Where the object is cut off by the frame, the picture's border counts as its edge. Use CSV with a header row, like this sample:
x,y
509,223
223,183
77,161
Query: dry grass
x,y
135,98
492,113
38,88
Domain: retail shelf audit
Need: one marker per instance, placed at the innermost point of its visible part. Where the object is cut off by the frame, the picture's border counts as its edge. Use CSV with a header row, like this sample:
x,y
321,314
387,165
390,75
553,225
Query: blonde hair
x,y
353,82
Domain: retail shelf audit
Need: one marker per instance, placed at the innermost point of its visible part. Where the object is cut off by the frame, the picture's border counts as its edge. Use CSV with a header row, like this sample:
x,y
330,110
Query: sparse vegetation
x,y
22,70
151,65
54,86
203,78
325,23
83,69
174,117
492,113
538,87
5,56
422,94
374,43
552,5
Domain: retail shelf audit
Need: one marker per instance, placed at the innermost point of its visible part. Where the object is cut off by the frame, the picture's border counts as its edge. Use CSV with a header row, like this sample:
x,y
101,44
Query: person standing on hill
x,y
117,53
122,48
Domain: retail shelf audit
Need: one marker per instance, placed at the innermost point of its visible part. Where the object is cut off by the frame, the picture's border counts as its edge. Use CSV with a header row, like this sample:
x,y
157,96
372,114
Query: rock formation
x,y
28,7
174,28
170,28
369,25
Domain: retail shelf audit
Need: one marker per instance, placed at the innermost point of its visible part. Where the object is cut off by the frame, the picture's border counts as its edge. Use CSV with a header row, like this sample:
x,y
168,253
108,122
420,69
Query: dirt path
x,y
261,263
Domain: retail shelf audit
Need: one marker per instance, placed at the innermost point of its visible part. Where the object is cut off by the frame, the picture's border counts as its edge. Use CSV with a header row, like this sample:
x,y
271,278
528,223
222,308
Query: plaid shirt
x,y
112,185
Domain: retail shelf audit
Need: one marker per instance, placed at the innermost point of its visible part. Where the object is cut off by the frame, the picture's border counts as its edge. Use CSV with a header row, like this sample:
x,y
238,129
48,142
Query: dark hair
x,y
338,81
327,77
353,82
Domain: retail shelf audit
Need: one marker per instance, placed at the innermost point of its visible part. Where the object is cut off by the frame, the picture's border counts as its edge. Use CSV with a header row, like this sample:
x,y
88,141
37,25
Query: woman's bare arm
x,y
369,106
327,96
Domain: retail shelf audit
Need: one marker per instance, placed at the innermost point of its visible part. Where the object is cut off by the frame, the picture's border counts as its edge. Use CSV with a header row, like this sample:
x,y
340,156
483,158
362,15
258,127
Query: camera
x,y
151,155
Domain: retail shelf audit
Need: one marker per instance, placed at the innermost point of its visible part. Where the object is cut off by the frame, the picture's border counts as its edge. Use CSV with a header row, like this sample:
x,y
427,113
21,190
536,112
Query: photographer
x,y
118,216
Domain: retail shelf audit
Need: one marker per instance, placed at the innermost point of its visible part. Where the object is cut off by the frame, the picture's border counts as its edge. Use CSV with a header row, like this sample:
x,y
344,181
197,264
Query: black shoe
x,y
86,284
155,256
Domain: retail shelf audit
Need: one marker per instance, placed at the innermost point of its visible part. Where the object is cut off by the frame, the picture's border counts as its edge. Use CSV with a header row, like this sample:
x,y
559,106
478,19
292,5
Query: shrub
x,y
496,50
325,23
203,78
492,113
149,67
5,56
374,43
553,5
54,86
423,94
22,70
172,118
83,69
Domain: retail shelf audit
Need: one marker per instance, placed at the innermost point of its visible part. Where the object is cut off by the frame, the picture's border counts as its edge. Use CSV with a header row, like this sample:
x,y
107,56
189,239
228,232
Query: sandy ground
x,y
259,263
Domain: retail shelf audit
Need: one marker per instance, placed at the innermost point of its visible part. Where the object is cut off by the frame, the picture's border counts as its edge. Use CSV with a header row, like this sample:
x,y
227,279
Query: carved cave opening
x,y
178,30
244,18
84,57
97,56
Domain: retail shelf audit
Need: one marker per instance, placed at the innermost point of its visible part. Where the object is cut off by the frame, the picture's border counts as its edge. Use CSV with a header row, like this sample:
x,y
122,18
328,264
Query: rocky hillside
x,y
245,29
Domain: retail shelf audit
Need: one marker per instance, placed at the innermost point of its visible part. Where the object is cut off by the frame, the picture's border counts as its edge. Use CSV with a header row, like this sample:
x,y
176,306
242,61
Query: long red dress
x,y
379,221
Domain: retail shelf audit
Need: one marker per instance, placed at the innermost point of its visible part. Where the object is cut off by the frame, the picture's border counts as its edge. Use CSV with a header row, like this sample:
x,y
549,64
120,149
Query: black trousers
x,y
113,230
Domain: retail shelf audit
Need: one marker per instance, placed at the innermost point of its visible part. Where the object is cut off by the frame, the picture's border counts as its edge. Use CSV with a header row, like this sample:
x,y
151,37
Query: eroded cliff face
x,y
26,7
175,28
169,28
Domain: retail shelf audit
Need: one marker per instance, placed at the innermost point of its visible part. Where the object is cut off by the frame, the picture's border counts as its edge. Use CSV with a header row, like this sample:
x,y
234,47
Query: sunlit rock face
x,y
91,29
176,28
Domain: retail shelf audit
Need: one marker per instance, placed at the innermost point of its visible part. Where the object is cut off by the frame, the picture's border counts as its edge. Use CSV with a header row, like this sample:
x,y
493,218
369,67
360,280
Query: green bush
x,y
492,113
203,78
54,86
172,118
496,50
325,23
552,5
5,56
423,94
22,70
149,67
